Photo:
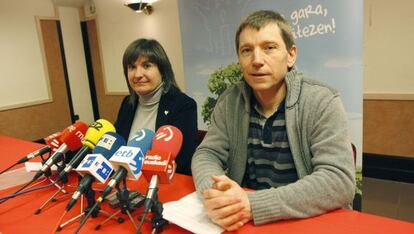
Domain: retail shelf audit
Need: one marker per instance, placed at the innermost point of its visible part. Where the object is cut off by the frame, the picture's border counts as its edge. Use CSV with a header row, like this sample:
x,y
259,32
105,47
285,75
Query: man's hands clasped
x,y
227,203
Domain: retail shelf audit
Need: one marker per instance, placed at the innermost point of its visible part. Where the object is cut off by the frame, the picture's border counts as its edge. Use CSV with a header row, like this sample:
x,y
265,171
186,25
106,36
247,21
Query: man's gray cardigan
x,y
316,126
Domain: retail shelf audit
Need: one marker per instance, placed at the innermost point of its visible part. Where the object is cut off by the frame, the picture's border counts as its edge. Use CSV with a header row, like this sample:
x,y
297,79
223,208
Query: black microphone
x,y
71,140
52,144
127,160
159,165
96,165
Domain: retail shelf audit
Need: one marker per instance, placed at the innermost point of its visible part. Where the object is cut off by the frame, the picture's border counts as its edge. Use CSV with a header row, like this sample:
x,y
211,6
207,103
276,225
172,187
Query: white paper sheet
x,y
35,166
189,213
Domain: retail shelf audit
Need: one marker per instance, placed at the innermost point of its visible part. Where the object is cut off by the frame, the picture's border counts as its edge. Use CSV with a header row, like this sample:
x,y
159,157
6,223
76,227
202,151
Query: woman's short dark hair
x,y
151,49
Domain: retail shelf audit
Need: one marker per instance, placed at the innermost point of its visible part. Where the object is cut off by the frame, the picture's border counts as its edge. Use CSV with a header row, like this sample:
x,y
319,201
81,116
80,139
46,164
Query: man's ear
x,y
292,56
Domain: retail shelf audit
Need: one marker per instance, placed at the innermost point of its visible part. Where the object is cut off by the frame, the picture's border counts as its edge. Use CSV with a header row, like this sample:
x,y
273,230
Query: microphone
x,y
71,138
96,165
93,134
127,160
52,142
159,164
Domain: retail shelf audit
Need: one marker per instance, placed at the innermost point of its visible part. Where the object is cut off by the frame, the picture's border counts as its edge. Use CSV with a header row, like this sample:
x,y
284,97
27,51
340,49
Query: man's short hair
x,y
259,19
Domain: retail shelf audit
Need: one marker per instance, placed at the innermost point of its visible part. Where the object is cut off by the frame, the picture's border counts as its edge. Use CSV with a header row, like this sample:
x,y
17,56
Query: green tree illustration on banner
x,y
219,81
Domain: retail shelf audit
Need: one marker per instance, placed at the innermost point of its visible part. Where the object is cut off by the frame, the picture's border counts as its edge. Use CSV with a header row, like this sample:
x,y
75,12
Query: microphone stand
x,y
92,208
60,188
157,221
126,204
29,184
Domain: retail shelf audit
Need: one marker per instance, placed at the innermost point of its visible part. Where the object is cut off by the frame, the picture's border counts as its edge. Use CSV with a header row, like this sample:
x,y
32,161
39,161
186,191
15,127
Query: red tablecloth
x,y
17,214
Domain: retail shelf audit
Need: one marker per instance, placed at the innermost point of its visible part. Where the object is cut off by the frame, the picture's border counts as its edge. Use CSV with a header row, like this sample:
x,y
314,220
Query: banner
x,y
328,34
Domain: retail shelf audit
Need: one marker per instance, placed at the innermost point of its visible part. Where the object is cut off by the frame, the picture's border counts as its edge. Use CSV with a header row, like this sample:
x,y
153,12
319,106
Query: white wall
x,y
388,47
23,78
118,26
76,63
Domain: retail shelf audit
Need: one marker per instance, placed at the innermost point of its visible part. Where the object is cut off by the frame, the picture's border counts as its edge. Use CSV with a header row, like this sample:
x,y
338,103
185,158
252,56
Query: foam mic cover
x,y
130,157
127,160
108,144
52,143
73,135
97,166
93,134
168,138
159,161
71,140
49,139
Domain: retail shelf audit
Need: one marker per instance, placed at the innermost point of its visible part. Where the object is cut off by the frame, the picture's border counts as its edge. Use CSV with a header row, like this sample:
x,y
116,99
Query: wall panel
x,y
38,121
389,127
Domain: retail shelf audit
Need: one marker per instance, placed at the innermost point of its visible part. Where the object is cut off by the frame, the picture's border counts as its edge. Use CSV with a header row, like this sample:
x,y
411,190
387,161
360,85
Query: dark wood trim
x,y
89,68
73,116
396,168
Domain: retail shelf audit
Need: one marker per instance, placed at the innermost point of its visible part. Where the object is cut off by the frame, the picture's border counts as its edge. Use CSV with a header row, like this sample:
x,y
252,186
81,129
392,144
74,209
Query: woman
x,y
155,99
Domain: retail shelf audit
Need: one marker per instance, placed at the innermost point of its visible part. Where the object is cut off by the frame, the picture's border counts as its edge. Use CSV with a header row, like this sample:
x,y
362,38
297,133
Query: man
x,y
275,132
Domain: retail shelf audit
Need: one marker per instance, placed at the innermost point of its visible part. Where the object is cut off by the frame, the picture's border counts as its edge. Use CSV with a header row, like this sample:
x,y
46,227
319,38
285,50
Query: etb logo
x,y
126,153
130,158
136,164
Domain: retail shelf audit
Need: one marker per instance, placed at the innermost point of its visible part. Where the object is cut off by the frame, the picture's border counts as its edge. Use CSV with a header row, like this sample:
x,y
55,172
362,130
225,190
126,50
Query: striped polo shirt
x,y
269,159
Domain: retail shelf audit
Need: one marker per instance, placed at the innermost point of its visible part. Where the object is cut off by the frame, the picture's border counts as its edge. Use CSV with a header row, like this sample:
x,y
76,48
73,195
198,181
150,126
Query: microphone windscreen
x,y
142,139
53,141
95,131
130,157
108,144
72,135
168,139
49,139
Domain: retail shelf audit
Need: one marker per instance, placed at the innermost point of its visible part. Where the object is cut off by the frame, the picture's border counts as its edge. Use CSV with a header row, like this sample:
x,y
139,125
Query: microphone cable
x,y
23,192
20,189
9,168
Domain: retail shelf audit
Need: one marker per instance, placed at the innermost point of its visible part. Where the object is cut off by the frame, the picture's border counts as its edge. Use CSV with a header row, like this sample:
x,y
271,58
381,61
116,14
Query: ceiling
x,y
70,3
